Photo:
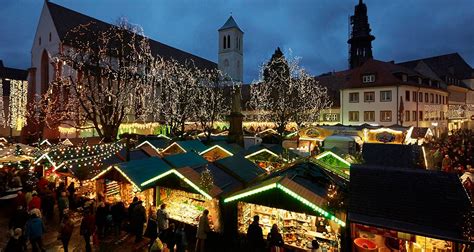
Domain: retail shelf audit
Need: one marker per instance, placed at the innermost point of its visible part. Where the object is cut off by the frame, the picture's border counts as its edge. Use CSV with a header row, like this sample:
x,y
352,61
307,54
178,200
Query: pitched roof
x,y
445,65
189,159
192,145
13,73
392,155
139,171
66,19
134,154
243,169
420,202
226,182
230,23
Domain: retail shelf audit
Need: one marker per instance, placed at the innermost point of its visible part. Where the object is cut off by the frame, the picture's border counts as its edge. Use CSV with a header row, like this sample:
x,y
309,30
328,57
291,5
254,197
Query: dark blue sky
x,y
315,30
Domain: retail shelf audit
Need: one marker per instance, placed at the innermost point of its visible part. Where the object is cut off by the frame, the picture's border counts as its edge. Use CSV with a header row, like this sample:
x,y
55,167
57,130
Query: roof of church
x,y
66,19
230,23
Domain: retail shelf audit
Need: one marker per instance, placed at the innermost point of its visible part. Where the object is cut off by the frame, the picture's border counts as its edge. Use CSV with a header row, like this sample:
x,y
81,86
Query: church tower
x,y
231,50
360,40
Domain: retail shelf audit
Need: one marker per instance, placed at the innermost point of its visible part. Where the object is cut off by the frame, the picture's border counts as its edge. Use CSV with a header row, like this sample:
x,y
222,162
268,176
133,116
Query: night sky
x,y
316,30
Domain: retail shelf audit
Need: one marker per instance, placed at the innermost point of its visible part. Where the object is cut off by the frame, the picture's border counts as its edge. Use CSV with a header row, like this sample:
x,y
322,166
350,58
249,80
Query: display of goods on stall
x,y
187,207
298,229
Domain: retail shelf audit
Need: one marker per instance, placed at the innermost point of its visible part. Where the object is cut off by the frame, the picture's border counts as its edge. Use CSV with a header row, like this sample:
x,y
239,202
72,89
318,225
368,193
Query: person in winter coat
x,y
180,238
274,238
203,229
118,215
170,237
20,200
255,236
130,213
152,229
63,204
101,218
138,220
65,231
47,202
87,228
35,201
35,230
15,243
163,221
72,191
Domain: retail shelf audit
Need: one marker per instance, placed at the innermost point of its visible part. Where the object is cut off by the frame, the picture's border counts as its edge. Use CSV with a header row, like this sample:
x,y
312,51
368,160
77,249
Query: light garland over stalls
x,y
18,92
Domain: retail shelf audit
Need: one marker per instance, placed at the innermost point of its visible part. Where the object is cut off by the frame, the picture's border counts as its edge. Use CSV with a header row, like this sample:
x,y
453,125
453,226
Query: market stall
x,y
333,163
131,179
303,209
430,216
183,147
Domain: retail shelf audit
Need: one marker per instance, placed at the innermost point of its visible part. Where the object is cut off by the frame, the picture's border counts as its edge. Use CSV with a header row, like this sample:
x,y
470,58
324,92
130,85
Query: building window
x,y
331,117
420,117
39,41
437,99
420,97
369,96
50,37
415,96
385,96
228,41
432,98
407,95
225,42
353,97
407,116
442,115
404,78
414,115
385,116
353,116
426,97
369,116
369,78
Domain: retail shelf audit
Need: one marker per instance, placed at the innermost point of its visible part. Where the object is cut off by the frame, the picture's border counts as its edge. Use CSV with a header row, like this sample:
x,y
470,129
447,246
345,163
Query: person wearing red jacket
x,y
35,202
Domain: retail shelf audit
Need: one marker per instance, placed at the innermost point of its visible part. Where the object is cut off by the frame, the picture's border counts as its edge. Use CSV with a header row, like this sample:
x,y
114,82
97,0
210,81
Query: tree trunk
x,y
109,133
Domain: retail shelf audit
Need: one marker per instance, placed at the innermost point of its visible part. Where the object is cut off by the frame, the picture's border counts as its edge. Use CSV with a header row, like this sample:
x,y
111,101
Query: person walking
x,y
48,203
63,204
163,221
180,238
35,230
170,237
203,229
152,229
255,236
87,228
118,215
138,220
15,243
72,191
274,238
65,231
35,201
101,218
130,213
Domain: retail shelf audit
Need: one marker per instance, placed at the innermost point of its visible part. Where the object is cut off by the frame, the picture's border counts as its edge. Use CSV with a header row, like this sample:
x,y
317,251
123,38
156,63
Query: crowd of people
x,y
454,153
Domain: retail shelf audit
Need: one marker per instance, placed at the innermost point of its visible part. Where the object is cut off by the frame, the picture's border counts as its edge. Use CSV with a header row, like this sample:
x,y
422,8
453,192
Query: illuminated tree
x,y
104,76
286,93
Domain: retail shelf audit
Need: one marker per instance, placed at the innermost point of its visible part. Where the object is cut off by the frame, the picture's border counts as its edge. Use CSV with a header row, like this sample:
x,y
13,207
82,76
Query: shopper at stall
x,y
138,220
61,188
35,230
47,201
35,201
87,228
65,231
274,238
163,221
101,218
203,229
152,228
130,213
72,190
15,243
180,238
255,236
170,237
63,204
118,215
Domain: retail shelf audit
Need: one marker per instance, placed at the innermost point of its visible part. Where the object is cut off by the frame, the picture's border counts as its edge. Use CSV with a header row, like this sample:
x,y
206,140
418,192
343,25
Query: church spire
x,y
360,39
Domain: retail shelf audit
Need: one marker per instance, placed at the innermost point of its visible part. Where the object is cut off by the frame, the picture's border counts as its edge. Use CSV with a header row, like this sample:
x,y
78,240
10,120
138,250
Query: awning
x,y
289,187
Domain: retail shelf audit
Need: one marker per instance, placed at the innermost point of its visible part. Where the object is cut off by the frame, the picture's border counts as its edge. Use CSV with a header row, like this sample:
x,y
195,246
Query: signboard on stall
x,y
386,232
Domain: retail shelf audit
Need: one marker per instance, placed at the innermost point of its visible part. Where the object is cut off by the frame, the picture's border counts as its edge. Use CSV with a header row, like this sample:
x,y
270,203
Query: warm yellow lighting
x,y
213,147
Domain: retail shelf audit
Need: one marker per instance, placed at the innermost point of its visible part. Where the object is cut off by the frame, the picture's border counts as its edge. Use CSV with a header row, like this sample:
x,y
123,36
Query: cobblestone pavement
x,y
77,244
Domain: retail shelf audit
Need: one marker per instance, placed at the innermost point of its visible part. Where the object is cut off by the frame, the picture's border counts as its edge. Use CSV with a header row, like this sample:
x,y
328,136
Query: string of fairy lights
x,y
83,151
3,121
17,115
94,160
